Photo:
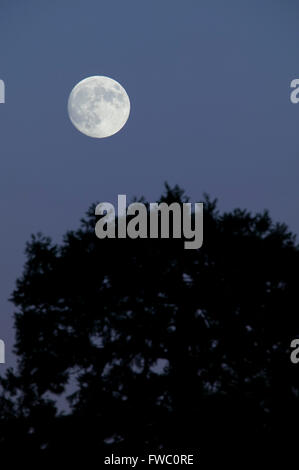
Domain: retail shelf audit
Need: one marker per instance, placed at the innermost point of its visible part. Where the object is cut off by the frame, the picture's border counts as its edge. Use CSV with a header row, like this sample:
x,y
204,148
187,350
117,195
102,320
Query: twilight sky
x,y
209,85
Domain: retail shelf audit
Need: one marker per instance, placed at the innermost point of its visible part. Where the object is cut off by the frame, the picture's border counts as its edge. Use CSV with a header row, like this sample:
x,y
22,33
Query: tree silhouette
x,y
155,346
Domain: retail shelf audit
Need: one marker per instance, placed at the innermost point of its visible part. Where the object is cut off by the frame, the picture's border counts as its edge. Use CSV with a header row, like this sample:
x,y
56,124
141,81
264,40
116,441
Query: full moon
x,y
98,106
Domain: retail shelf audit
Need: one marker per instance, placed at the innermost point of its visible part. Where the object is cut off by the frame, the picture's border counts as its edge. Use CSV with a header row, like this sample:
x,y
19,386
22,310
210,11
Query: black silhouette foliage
x,y
154,346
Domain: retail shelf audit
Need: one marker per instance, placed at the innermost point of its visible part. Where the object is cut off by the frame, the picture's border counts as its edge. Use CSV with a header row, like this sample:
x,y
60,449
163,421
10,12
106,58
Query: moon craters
x,y
98,106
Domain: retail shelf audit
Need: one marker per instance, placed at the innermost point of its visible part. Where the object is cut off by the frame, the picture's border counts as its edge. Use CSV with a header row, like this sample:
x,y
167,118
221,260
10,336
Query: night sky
x,y
209,84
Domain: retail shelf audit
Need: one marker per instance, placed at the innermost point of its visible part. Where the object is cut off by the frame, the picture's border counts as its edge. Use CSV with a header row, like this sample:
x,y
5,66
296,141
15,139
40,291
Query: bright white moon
x,y
98,106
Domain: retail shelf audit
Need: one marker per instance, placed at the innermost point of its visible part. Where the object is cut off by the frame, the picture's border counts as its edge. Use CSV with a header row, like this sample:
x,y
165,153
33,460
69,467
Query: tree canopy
x,y
153,345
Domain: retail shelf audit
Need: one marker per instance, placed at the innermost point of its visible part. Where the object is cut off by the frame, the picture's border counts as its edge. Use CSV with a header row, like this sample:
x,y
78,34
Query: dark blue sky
x,y
210,110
